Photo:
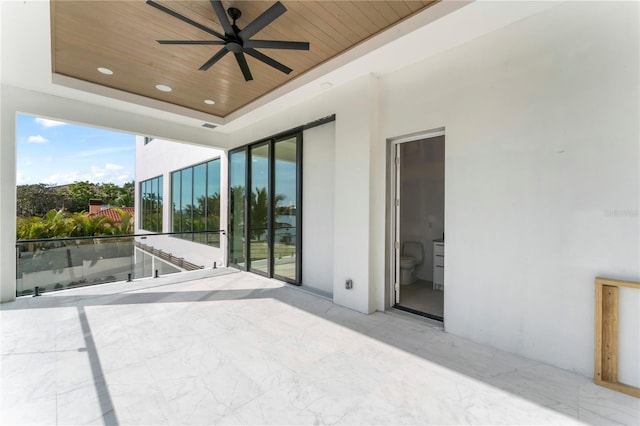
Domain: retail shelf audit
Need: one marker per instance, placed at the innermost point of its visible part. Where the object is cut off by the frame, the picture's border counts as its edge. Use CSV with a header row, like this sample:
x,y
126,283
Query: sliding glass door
x,y
264,208
259,209
237,196
285,202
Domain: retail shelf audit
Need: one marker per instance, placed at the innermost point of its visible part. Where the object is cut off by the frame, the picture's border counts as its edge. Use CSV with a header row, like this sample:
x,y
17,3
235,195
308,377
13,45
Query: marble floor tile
x,y
232,348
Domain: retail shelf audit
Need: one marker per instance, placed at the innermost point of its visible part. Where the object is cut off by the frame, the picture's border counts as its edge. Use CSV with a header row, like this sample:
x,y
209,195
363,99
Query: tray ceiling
x,y
122,36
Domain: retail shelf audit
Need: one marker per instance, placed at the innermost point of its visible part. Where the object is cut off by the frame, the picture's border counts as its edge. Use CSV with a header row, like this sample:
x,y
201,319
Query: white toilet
x,y
412,256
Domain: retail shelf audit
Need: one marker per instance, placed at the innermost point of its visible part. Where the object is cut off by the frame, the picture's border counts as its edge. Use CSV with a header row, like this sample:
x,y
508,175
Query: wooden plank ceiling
x,y
121,36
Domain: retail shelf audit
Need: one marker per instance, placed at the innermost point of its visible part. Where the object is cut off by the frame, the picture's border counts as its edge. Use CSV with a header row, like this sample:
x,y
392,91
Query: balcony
x,y
227,347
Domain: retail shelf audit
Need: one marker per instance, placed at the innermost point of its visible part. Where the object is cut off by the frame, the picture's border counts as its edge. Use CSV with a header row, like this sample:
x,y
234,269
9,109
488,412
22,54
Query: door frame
x,y
271,141
392,246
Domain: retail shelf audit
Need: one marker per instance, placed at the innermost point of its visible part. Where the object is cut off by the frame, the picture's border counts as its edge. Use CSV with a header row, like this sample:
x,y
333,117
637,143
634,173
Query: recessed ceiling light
x,y
326,85
105,71
163,88
209,102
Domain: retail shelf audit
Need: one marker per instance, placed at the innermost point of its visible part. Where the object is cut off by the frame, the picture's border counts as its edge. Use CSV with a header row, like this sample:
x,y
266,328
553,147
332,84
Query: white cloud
x,y
110,173
37,139
49,123
62,178
113,167
103,151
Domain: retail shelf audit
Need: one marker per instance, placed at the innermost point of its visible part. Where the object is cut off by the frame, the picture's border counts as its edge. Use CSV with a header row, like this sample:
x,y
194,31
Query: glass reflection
x,y
213,202
285,209
199,202
259,235
237,176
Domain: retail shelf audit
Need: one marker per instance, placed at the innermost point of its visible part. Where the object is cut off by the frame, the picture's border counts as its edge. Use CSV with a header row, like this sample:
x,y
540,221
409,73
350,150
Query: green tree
x,y
126,196
108,192
81,225
59,224
125,225
79,195
37,199
31,228
54,224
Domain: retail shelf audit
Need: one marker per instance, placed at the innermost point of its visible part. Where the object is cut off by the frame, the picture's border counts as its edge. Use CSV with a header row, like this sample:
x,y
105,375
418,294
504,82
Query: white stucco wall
x,y
160,158
542,174
318,193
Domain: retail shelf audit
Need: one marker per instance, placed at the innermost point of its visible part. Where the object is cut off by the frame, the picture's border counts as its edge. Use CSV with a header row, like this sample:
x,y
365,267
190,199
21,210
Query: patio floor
x,y
237,348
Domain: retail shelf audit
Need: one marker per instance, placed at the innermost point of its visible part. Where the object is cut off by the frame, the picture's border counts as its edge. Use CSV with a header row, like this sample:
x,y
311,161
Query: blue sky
x,y
59,153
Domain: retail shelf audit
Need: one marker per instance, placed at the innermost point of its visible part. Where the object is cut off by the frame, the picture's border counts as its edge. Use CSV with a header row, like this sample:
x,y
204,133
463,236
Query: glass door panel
x,y
237,196
199,202
213,202
285,209
259,237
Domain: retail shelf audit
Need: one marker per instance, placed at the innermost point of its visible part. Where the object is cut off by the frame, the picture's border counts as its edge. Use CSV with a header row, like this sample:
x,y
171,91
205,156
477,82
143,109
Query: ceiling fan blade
x,y
269,61
242,61
276,44
215,58
267,17
218,8
185,19
208,42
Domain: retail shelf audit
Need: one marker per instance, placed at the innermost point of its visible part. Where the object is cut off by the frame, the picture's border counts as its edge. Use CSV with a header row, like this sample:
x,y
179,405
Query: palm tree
x,y
31,229
57,223
124,199
125,225
259,211
87,226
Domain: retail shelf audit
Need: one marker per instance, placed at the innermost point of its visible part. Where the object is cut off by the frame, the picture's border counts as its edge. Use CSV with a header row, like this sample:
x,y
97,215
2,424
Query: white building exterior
x,y
161,157
540,108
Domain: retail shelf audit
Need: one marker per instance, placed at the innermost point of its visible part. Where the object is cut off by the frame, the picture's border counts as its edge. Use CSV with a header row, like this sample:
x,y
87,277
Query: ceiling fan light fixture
x,y
105,71
163,88
209,102
235,40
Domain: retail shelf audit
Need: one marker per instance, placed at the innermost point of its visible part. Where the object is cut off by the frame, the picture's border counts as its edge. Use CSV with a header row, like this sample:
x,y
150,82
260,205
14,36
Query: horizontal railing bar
x,y
106,237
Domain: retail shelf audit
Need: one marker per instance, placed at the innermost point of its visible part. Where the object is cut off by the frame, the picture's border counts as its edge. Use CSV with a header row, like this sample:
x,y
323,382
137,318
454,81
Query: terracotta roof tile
x,y
112,213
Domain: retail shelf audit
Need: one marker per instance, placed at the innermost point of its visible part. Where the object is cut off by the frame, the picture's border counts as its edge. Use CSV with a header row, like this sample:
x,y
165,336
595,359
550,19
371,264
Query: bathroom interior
x,y
422,227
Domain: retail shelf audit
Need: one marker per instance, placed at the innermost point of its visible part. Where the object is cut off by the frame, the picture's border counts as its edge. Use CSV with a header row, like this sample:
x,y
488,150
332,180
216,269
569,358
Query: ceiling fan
x,y
235,40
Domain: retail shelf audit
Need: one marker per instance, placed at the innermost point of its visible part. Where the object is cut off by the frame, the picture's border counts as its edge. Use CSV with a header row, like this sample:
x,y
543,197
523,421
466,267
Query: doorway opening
x,y
418,194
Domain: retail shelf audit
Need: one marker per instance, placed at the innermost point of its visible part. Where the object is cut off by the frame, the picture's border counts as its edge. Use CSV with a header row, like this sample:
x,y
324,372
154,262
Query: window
x,y
195,202
151,204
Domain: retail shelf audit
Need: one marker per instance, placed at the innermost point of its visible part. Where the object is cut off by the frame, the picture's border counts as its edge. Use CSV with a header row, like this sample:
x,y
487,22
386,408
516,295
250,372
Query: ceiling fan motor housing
x,y
234,13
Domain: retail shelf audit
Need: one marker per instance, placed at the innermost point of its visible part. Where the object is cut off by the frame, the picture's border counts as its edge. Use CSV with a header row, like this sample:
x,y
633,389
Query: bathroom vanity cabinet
x,y
438,264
